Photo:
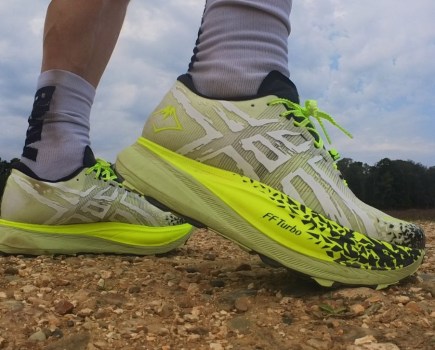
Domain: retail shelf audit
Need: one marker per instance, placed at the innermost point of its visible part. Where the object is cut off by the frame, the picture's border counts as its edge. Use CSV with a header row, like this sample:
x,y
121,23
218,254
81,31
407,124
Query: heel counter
x,y
9,198
19,203
172,124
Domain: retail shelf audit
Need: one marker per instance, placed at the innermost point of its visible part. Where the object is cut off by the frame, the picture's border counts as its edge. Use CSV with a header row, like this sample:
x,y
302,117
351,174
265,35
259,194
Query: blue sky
x,y
370,64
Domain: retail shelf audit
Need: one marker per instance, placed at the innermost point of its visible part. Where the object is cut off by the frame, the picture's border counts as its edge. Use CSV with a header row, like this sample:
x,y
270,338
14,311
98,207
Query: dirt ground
x,y
208,294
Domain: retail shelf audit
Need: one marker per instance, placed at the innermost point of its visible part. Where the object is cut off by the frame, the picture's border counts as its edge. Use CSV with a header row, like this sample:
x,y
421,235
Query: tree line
x,y
387,185
391,184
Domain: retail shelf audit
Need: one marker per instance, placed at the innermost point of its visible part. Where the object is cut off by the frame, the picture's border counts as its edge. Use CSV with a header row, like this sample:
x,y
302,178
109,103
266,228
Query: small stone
x,y
414,307
27,289
10,271
365,340
356,293
244,267
287,318
191,269
402,299
100,344
217,283
163,331
216,346
101,283
242,304
134,289
210,256
357,309
62,283
57,333
318,344
106,274
85,312
193,289
63,307
38,336
240,324
3,295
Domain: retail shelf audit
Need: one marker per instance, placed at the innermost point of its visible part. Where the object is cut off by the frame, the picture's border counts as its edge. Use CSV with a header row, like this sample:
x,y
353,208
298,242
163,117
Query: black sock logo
x,y
41,105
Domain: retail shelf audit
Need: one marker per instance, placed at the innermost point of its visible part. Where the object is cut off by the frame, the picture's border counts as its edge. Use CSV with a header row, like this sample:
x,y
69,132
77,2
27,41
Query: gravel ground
x,y
208,294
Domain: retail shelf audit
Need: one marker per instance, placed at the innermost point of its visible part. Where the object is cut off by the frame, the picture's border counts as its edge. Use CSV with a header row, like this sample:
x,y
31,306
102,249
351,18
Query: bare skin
x,y
80,35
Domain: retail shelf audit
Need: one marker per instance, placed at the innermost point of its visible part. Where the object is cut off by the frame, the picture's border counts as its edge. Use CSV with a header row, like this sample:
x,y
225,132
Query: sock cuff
x,y
73,95
69,80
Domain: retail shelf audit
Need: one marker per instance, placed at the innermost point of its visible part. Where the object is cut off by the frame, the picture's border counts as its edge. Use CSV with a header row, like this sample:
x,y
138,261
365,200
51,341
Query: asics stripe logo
x,y
261,147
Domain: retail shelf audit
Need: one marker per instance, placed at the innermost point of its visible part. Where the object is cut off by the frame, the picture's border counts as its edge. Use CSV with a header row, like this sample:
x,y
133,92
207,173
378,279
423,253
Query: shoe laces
x,y
103,171
302,118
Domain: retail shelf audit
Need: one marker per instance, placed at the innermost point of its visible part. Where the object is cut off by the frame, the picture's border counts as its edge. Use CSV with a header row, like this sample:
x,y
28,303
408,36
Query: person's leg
x,y
79,37
239,44
237,112
59,198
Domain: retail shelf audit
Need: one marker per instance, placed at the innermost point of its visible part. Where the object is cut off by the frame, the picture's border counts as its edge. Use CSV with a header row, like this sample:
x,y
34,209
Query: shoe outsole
x,y
263,220
95,238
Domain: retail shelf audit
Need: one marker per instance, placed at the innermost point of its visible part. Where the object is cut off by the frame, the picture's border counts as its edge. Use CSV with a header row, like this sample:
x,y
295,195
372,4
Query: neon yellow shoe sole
x,y
264,220
104,237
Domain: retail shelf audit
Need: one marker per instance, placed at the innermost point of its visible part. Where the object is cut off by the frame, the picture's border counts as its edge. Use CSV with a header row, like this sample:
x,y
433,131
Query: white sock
x,y
239,43
59,127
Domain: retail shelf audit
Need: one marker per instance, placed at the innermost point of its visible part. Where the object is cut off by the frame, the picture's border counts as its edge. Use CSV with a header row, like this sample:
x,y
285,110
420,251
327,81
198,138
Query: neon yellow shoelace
x,y
103,171
303,115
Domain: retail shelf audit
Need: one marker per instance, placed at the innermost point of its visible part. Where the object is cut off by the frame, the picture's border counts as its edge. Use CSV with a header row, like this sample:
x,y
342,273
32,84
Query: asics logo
x,y
260,144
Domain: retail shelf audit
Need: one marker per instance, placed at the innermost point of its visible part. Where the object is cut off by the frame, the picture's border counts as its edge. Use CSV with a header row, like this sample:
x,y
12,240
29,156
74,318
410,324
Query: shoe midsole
x,y
104,237
263,219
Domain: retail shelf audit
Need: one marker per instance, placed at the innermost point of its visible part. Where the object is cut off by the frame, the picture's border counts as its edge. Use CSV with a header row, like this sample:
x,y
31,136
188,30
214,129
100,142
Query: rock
x,y
78,341
361,293
38,336
216,346
365,340
210,256
357,309
354,332
85,312
101,283
192,289
318,344
287,318
241,324
27,289
402,299
9,270
134,289
63,307
12,305
242,304
414,307
374,346
114,299
244,267
370,343
217,283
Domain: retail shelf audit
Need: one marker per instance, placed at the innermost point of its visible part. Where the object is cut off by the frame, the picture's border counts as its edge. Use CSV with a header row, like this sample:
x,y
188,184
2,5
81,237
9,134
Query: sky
x,y
370,64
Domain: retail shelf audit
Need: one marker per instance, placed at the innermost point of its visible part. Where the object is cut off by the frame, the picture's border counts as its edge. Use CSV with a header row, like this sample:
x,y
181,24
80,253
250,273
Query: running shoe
x,y
89,212
257,171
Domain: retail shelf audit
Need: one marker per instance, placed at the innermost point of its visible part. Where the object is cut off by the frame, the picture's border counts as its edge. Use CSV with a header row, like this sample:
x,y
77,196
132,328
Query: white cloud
x,y
368,63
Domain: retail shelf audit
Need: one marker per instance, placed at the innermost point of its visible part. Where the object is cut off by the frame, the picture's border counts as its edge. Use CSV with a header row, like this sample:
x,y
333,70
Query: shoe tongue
x,y
279,85
89,158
